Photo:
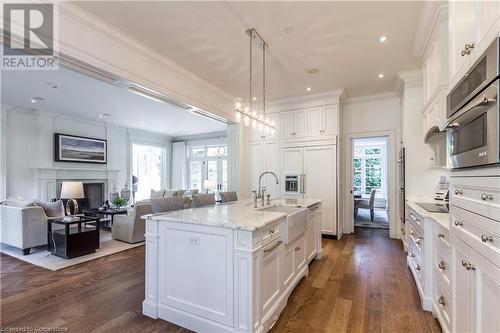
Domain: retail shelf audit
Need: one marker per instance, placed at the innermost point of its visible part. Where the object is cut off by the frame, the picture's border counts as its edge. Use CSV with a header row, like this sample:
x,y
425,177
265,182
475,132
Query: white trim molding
x,y
432,14
409,79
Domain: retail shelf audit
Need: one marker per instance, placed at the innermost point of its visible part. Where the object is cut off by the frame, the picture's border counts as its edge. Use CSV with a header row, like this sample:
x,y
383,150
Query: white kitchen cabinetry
x,y
319,165
270,278
472,27
264,155
256,134
322,120
435,74
293,124
475,228
476,290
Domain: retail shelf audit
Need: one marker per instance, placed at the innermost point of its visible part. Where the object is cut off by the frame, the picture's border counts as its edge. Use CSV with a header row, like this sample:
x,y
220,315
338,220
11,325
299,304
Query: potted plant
x,y
119,202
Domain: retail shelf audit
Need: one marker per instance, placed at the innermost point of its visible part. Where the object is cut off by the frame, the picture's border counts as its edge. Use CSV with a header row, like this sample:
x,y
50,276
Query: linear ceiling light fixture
x,y
209,115
251,111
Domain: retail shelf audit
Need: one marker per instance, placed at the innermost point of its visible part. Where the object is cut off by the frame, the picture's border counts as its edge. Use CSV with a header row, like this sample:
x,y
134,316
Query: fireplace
x,y
94,192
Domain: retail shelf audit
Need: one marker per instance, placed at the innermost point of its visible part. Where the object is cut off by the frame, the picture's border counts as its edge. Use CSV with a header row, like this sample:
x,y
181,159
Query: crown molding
x,y
369,98
408,79
330,97
432,15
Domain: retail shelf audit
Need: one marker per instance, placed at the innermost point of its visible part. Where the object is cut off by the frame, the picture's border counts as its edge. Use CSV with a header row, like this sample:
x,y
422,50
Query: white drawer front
x,y
480,195
480,233
270,233
443,303
417,264
416,220
416,241
441,236
442,267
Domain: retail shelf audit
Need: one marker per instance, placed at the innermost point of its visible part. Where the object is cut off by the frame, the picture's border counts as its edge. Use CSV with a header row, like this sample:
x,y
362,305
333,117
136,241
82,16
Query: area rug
x,y
380,219
42,258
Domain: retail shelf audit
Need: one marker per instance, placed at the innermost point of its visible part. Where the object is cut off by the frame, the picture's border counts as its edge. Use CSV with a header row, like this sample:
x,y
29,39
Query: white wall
x,y
372,114
30,144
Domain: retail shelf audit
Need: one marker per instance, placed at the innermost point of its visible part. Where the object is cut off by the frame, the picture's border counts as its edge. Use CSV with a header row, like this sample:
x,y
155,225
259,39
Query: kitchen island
x,y
229,267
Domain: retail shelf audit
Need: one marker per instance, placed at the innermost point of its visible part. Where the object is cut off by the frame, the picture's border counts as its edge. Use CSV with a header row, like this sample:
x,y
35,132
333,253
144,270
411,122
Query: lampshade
x,y
72,190
209,184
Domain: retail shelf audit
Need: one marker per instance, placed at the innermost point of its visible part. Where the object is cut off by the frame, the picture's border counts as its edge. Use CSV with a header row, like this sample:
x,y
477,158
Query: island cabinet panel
x,y
196,270
270,276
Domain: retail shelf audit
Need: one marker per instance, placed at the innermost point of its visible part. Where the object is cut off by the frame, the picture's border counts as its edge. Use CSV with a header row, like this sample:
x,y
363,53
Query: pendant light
x,y
247,111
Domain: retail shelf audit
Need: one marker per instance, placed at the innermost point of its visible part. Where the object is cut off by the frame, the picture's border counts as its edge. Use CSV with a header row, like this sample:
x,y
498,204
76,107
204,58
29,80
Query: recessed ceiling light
x,y
381,75
308,88
254,98
36,99
382,39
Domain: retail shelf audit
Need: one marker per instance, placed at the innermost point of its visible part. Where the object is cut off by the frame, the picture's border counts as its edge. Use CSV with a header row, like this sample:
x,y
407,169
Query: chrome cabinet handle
x,y
442,300
442,266
484,196
470,266
412,254
464,263
278,243
419,240
467,49
486,239
458,192
459,223
417,267
412,233
440,235
297,248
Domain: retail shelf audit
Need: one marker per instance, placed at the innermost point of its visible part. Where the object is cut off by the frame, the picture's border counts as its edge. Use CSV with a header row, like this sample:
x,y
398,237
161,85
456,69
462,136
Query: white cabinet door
x,y
314,121
287,267
461,288
488,24
299,256
462,31
486,294
270,278
299,123
330,116
310,237
256,157
320,168
287,124
277,126
272,163
291,159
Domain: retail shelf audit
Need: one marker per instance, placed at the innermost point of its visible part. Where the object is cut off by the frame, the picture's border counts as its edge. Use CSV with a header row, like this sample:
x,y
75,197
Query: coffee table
x,y
111,212
75,239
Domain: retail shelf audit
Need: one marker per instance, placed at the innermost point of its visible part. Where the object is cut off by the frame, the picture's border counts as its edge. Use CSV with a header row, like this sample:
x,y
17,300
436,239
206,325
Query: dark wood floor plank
x,y
362,284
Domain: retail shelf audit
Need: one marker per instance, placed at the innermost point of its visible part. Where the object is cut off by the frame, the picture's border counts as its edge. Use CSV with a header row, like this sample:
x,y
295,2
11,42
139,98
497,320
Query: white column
x,y
234,158
150,303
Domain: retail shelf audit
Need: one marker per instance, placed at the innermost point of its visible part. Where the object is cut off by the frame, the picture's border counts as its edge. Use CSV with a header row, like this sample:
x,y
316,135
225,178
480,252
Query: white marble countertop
x,y
441,218
234,215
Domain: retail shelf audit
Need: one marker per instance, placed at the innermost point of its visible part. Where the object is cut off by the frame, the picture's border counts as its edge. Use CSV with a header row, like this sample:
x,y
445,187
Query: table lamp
x,y
72,191
209,184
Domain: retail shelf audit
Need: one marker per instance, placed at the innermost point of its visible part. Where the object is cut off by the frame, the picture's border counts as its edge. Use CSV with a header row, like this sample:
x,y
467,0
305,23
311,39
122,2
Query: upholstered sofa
x,y
23,227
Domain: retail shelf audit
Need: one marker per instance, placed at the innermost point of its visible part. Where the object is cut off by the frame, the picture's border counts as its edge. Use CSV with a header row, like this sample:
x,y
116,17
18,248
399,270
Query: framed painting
x,y
72,148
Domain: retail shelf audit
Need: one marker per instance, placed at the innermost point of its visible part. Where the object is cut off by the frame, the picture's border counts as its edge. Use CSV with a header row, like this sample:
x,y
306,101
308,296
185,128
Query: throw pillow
x,y
180,193
161,205
51,209
170,193
157,194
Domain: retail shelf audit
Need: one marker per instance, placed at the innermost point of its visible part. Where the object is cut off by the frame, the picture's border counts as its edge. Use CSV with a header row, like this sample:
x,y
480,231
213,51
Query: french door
x,y
208,169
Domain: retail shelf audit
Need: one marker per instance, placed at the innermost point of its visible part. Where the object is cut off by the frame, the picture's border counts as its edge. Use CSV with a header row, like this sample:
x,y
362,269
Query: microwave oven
x,y
472,127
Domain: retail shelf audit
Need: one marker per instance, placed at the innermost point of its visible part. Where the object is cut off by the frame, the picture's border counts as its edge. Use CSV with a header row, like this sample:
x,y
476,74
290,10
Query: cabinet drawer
x,y
300,254
480,195
270,233
416,241
442,268
416,220
481,233
441,236
442,304
417,265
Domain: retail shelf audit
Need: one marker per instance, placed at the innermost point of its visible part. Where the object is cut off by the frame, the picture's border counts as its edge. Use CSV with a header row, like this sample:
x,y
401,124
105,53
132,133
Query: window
x,y
207,162
148,165
368,166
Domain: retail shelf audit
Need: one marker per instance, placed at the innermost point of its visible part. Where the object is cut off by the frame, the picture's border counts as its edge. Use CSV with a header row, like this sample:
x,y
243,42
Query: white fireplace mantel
x,y
45,179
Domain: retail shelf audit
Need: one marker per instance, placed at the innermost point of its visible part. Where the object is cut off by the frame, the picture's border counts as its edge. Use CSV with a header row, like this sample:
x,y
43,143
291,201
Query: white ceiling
x,y
84,97
338,38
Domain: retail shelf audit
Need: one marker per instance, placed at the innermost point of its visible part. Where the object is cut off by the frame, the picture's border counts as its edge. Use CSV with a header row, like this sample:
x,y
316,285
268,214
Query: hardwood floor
x,y
361,285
